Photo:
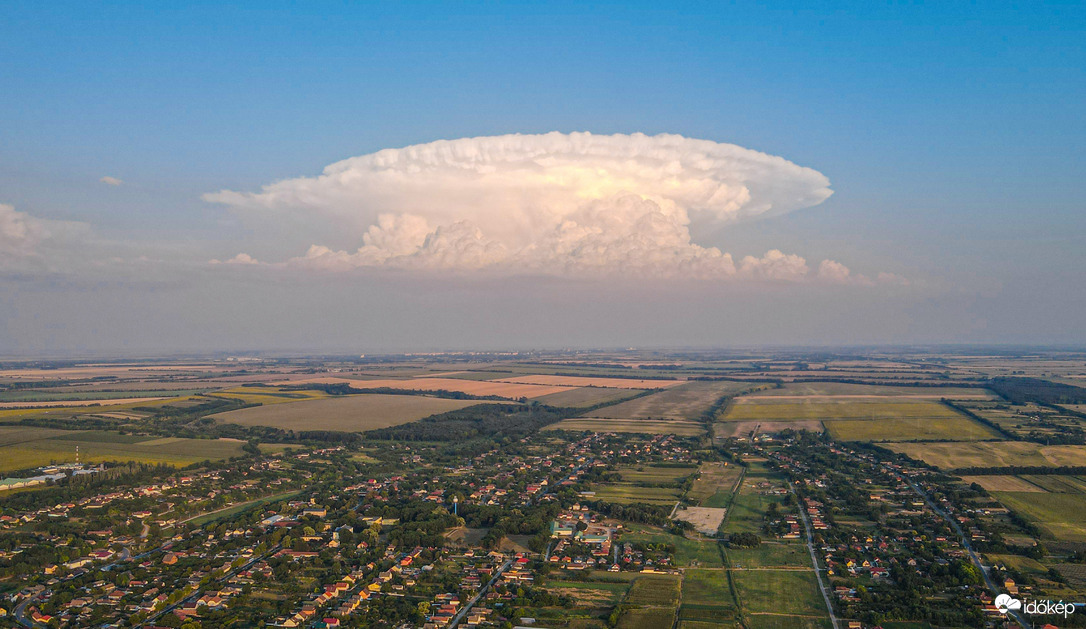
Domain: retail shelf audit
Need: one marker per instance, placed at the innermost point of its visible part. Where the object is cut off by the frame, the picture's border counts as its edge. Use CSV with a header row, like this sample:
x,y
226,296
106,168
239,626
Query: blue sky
x,y
952,133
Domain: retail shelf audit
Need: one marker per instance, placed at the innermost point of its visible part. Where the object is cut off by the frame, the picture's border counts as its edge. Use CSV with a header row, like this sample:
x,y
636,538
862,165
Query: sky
x,y
364,177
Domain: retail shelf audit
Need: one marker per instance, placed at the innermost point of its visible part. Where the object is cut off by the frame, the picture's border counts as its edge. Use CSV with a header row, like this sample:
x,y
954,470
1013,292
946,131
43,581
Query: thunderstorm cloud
x,y
562,204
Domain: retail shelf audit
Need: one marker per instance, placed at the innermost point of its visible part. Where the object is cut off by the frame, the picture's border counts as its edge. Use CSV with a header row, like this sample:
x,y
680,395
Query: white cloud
x,y
112,181
241,258
554,204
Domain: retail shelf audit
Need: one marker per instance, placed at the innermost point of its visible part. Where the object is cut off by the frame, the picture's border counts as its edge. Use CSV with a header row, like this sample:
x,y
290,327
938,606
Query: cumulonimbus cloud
x,y
31,243
555,204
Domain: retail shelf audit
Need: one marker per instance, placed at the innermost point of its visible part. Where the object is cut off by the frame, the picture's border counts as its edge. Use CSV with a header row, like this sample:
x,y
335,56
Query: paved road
x,y
196,593
1022,622
463,612
20,614
814,558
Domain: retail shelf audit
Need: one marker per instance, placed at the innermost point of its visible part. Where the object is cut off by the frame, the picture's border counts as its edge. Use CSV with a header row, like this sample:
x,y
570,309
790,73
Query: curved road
x,y
1022,622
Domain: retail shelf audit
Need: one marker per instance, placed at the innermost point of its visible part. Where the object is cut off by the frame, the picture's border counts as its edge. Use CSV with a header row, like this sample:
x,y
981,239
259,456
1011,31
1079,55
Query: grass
x,y
655,589
587,396
992,454
686,401
629,494
1062,516
688,552
648,618
655,475
707,587
347,413
1058,484
900,429
748,510
770,555
242,507
642,426
792,592
714,483
785,410
787,622
22,448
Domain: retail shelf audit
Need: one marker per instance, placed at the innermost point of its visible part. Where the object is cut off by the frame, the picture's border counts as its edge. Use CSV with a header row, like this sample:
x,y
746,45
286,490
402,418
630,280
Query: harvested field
x,y
992,454
512,391
590,381
75,403
586,396
706,520
645,426
689,400
1003,483
348,413
897,429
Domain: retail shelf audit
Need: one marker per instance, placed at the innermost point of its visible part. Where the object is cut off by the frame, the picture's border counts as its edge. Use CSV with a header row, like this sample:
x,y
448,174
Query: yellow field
x,y
68,410
591,381
898,429
646,426
347,413
267,395
992,454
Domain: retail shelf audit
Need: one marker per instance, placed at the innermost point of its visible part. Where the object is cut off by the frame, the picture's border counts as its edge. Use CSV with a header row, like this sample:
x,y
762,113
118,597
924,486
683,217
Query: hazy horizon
x,y
268,177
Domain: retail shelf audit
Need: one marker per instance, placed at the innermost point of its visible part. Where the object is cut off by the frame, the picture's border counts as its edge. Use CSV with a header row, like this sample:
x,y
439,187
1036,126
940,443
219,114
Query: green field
x,y
239,508
899,429
347,413
787,622
770,554
771,409
792,592
628,494
707,588
643,426
992,454
686,401
586,396
654,589
22,448
654,474
747,511
647,618
688,552
714,484
1063,516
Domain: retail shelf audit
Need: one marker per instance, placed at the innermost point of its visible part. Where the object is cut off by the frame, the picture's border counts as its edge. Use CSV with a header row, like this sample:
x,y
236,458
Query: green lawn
x,y
770,555
779,592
